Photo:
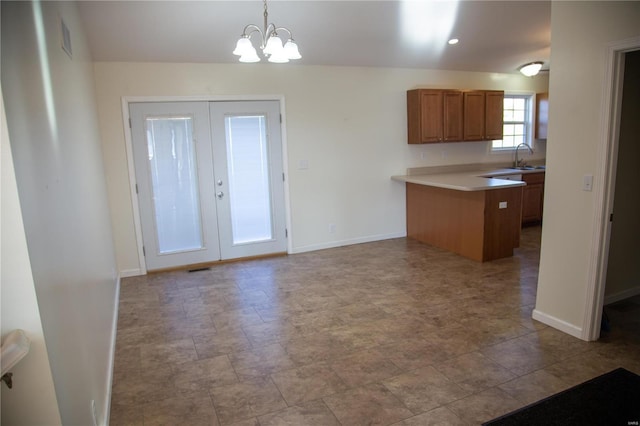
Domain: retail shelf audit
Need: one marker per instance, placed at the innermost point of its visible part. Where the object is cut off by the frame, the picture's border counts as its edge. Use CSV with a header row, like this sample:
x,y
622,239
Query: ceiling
x,y
495,36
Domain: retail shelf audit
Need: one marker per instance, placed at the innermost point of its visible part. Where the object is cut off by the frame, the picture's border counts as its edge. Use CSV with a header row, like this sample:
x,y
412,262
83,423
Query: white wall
x,y
580,33
51,118
349,123
32,401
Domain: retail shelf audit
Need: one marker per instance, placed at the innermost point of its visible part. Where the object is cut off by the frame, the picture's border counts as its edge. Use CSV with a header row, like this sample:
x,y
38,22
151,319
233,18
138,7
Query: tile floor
x,y
385,333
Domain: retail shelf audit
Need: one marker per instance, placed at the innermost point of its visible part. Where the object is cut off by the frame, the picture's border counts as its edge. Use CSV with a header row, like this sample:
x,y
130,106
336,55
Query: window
x,y
517,122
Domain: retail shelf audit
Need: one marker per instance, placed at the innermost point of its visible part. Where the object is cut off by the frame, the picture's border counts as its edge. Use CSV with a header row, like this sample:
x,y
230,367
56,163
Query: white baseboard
x,y
341,243
131,273
616,297
112,354
557,323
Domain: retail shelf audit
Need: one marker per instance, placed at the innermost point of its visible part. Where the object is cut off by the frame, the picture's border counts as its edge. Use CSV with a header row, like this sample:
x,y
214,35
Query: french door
x,y
209,179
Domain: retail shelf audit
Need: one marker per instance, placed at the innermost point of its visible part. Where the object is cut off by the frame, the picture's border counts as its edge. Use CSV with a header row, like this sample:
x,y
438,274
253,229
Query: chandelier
x,y
270,43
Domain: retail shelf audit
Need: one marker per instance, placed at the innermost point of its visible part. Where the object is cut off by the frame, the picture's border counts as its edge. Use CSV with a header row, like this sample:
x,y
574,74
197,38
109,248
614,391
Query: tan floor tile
x,y
220,343
271,332
534,386
204,374
245,400
474,372
368,405
424,389
144,385
440,416
411,354
394,311
231,320
156,354
520,356
484,406
314,413
582,367
177,328
364,367
261,361
308,383
197,409
314,348
125,415
557,343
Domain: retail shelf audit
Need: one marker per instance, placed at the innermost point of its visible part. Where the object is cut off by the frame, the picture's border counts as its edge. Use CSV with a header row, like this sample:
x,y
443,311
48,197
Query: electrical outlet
x,y
332,228
502,205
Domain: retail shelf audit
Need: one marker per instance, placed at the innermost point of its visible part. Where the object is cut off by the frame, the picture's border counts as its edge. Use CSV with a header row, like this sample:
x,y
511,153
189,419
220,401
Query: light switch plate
x,y
587,182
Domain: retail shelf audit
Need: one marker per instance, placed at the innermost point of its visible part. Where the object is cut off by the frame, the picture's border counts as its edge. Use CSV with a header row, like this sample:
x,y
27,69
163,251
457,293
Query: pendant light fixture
x,y
270,43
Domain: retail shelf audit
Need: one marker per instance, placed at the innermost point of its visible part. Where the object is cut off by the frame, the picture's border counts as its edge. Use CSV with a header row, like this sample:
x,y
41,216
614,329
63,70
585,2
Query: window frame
x,y
529,98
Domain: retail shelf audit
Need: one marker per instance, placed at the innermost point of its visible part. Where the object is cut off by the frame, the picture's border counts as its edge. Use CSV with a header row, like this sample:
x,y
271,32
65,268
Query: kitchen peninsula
x,y
472,212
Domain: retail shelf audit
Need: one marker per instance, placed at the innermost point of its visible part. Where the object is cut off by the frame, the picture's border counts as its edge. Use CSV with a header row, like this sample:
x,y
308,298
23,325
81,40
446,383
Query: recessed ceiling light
x,y
453,41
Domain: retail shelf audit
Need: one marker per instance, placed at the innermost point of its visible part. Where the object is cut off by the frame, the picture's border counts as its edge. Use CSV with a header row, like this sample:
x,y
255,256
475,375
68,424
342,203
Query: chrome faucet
x,y
516,162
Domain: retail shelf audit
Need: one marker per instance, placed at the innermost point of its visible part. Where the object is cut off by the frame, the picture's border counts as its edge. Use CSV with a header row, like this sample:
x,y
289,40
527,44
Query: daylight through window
x,y
517,122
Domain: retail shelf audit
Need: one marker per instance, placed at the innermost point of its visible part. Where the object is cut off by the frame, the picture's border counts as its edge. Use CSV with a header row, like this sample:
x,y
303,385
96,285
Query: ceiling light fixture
x,y
531,69
270,43
453,41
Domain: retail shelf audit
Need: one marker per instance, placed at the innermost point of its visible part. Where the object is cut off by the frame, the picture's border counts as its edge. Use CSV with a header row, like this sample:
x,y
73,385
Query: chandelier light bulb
x,y
274,46
243,46
250,56
291,50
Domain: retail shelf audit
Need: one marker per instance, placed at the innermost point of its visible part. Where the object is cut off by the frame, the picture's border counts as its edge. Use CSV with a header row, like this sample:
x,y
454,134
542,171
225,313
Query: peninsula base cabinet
x,y
532,198
480,225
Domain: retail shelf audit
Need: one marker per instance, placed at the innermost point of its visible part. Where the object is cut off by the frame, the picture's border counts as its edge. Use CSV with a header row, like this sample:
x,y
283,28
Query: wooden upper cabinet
x,y
483,115
452,115
434,115
542,115
494,114
474,115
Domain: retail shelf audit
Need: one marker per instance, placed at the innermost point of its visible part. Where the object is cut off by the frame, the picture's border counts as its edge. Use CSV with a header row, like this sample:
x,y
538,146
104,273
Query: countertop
x,y
464,179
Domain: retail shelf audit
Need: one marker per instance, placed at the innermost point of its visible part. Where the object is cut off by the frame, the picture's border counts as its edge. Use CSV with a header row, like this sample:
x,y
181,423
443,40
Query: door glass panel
x,y
174,176
248,168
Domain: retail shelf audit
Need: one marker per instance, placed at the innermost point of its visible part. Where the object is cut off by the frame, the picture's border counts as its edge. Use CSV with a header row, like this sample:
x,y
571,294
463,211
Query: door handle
x,y
220,194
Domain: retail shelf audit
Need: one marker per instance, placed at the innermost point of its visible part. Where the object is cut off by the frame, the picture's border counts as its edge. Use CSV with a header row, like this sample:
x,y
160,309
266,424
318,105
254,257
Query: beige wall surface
x,y
623,273
33,400
53,128
580,34
348,123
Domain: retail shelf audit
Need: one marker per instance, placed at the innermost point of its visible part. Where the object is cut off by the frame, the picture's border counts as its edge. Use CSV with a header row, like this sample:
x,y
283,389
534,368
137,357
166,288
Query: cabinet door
x,y
532,197
424,116
494,115
452,115
532,203
474,116
542,115
431,105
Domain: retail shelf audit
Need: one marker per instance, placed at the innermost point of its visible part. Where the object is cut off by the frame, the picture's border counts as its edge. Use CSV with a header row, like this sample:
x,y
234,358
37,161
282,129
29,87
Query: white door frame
x,y
125,100
606,165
